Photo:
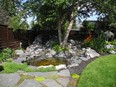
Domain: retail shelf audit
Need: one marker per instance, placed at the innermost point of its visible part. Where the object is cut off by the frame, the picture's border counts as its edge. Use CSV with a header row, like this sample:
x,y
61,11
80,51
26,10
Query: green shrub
x,y
5,54
113,42
96,44
58,48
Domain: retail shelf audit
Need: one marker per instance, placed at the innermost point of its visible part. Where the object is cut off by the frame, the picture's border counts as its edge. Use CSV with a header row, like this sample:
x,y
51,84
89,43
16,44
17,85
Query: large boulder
x,y
91,53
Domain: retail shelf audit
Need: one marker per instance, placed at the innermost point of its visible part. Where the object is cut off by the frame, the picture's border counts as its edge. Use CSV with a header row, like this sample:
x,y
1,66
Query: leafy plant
x,y
58,48
87,25
18,22
113,42
5,54
96,44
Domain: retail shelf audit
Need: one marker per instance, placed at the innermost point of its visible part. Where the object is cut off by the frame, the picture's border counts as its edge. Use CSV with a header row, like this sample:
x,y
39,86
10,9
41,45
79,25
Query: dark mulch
x,y
80,68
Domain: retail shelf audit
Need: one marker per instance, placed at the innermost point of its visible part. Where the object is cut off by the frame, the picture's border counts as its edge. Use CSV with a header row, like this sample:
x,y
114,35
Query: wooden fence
x,y
11,39
7,38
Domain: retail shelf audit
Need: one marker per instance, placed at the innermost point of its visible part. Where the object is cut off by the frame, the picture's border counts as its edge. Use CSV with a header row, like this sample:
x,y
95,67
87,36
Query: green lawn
x,y
100,73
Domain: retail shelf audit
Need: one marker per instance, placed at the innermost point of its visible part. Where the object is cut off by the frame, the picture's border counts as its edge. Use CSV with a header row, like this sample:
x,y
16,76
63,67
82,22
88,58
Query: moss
x,y
40,79
75,76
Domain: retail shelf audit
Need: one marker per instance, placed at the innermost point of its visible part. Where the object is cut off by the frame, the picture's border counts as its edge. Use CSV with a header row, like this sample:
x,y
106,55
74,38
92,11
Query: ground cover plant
x,y
100,73
10,67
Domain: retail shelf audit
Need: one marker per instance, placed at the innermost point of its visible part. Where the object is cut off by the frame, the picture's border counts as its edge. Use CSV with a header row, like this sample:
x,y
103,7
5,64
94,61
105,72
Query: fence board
x,y
7,38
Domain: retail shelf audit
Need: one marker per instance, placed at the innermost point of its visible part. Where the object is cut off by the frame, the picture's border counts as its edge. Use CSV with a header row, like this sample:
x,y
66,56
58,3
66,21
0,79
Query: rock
x,y
45,66
73,65
49,55
72,41
108,35
61,66
84,58
50,83
19,52
109,46
60,55
30,83
64,72
53,52
9,80
72,51
19,60
112,52
92,53
63,81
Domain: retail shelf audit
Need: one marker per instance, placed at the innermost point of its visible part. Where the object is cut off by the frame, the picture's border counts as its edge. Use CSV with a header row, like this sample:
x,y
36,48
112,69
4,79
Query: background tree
x,y
58,14
3,17
16,14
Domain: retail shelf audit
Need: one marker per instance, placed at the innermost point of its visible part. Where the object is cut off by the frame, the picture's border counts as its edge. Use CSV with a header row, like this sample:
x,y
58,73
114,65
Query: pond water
x,y
47,61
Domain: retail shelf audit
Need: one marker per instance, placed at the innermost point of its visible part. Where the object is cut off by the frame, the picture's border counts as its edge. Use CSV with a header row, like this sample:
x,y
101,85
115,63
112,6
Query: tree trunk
x,y
59,31
68,30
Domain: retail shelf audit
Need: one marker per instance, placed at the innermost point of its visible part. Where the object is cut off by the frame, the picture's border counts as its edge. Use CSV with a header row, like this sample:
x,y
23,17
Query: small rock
x,y
59,67
112,52
84,58
109,46
92,53
45,66
72,65
19,52
72,41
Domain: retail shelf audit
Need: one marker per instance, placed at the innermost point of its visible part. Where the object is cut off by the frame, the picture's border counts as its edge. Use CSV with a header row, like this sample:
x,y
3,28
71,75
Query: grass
x,y
100,73
10,67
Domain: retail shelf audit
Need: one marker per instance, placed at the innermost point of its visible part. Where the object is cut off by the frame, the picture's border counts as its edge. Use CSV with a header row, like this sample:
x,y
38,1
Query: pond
x,y
47,61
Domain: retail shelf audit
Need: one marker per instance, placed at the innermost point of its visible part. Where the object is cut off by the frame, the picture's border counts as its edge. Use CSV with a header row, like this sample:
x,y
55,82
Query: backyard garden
x,y
54,46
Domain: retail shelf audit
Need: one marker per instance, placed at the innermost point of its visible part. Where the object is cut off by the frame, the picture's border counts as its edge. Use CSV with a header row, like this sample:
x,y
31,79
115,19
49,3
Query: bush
x,y
58,48
5,54
96,44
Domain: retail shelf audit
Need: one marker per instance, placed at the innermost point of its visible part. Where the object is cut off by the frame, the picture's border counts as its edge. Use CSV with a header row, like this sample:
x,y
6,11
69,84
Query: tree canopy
x,y
57,14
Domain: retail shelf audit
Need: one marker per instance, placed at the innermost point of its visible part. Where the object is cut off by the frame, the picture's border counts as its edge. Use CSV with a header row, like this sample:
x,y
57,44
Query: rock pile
x,y
74,55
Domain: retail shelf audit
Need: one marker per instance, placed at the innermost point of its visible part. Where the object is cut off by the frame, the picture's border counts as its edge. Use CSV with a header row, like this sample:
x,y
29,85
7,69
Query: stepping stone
x,y
50,83
64,72
63,81
9,80
30,83
43,74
